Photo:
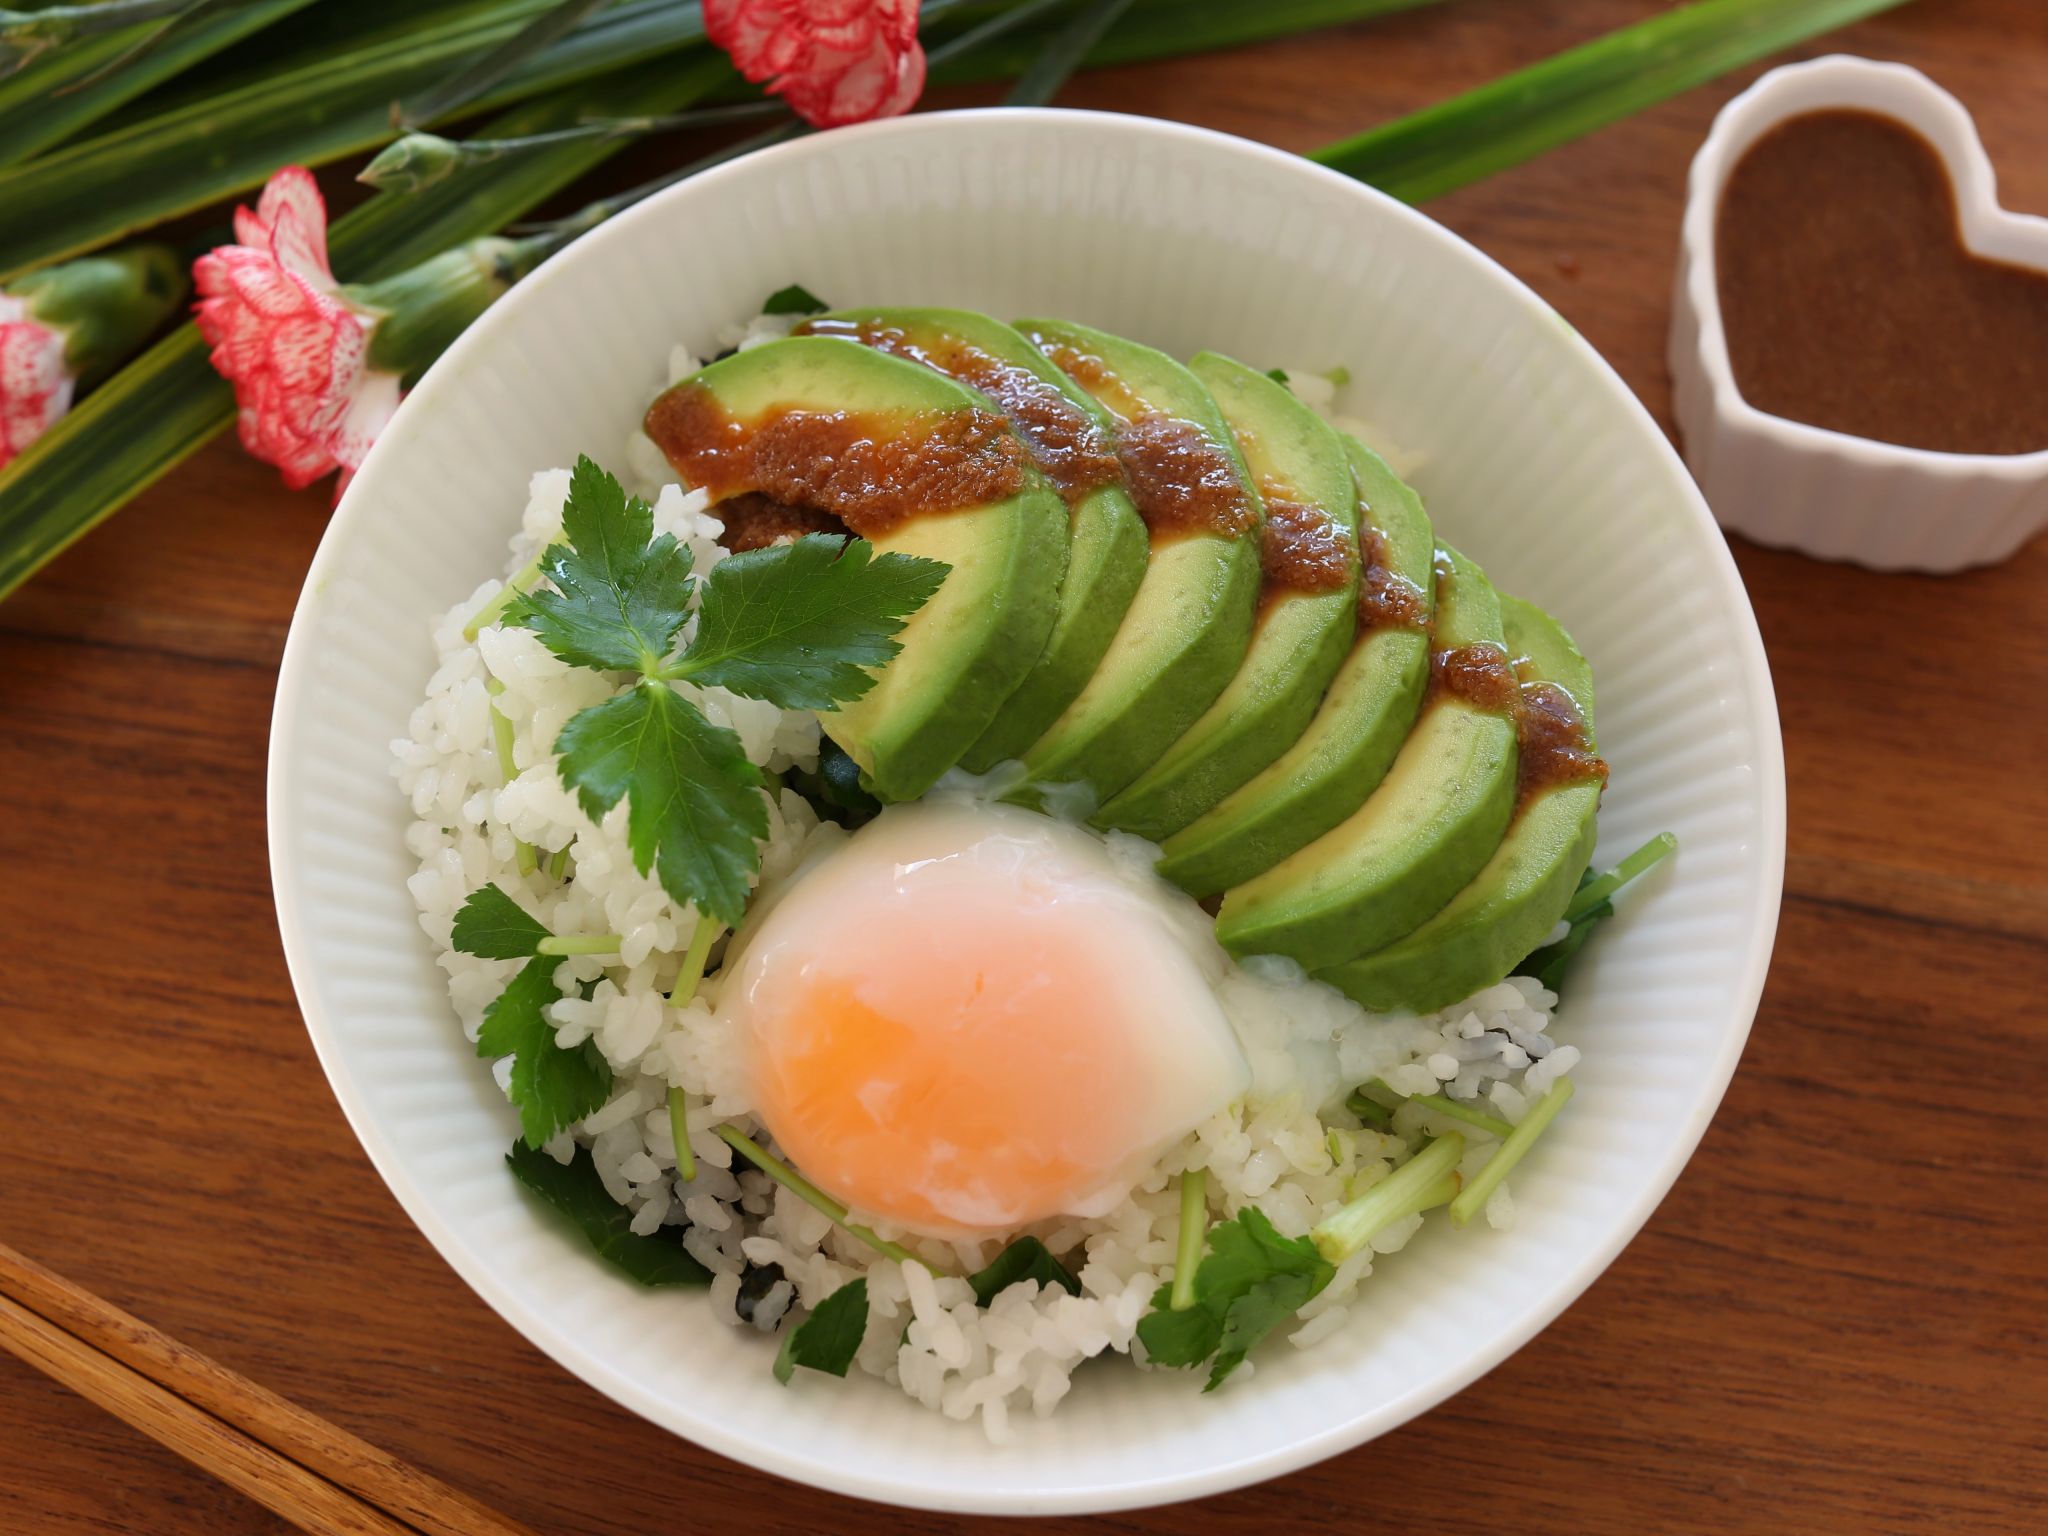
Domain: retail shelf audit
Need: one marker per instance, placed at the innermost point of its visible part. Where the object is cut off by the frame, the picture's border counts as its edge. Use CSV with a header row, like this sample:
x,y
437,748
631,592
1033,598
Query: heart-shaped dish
x,y
1794,485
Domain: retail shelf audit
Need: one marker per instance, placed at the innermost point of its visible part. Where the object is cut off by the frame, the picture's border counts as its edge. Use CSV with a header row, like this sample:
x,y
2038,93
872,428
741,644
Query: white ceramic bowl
x,y
1798,486
1535,458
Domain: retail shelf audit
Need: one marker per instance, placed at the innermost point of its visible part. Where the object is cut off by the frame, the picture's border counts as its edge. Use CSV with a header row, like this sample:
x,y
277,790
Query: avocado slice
x,y
1186,631
1347,746
1074,442
1308,605
1431,825
1511,904
967,648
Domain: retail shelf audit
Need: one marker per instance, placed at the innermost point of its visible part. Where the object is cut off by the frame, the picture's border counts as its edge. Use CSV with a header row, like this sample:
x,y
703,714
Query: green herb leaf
x,y
695,811
621,598
1179,1338
1592,905
550,1087
1252,1281
1277,375
1025,1259
794,300
830,1337
802,624
833,788
578,1193
1266,1306
492,926
1549,963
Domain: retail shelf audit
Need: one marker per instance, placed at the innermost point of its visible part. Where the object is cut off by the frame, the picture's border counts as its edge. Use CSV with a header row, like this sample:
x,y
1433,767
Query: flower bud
x,y
104,306
409,164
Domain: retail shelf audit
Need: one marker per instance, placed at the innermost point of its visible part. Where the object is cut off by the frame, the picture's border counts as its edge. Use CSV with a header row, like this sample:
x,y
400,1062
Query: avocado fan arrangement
x,y
1233,633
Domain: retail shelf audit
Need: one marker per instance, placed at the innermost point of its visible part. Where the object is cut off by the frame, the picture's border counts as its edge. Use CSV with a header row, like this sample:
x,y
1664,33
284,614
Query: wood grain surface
x,y
1838,1321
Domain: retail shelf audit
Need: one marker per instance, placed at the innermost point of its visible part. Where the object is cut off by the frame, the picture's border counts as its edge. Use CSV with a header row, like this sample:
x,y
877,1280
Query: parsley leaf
x,y
1252,1281
802,624
550,1086
1549,963
493,926
578,1193
1277,375
797,625
1591,904
1025,1259
620,597
694,808
830,1337
794,300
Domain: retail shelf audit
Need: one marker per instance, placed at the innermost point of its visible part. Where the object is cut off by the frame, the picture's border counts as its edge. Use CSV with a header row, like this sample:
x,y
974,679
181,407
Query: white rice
x,y
1290,1148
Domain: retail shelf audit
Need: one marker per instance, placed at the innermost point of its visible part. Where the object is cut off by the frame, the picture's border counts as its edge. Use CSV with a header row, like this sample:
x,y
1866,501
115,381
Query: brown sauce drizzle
x,y
1386,599
1301,547
754,521
1069,445
1182,481
1093,375
1180,478
1552,736
1480,675
870,470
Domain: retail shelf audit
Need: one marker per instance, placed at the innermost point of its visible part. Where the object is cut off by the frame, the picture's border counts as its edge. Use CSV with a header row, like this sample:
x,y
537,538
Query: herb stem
x,y
1370,1111
523,853
679,1128
810,1194
1644,859
1194,1231
490,608
1472,1200
578,944
1411,1187
702,937
559,862
1492,1124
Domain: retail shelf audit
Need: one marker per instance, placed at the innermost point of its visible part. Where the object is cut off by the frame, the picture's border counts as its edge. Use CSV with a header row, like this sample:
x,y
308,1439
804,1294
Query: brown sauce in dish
x,y
1301,547
1480,675
1386,600
754,521
1181,480
1552,736
1851,303
871,470
1069,445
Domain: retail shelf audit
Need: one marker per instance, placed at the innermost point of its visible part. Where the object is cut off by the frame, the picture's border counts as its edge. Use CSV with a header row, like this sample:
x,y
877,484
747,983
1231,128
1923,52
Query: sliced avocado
x,y
1511,904
1074,441
1344,751
1426,831
1186,631
973,643
1308,607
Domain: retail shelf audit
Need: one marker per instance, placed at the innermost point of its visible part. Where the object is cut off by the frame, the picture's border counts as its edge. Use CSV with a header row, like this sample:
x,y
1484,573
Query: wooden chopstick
x,y
296,1464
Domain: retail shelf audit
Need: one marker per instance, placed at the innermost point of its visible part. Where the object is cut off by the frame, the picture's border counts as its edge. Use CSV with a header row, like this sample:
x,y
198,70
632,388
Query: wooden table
x,y
1837,1322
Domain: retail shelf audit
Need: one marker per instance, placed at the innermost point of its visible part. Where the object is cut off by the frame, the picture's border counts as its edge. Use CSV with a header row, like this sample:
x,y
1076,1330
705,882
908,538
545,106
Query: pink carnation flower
x,y
35,386
290,340
833,61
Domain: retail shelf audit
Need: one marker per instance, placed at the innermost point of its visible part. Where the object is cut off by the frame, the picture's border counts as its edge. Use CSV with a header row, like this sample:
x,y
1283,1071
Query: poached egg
x,y
965,1018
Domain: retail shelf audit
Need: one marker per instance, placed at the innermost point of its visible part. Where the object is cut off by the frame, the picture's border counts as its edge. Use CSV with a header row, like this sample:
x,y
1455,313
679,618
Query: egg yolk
x,y
963,1032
